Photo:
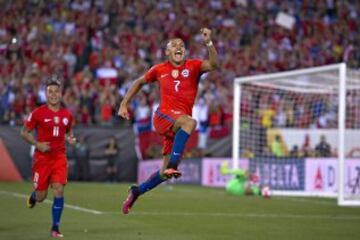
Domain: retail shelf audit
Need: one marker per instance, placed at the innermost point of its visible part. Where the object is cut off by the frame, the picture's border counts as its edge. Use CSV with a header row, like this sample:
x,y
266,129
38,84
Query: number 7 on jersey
x,y
177,83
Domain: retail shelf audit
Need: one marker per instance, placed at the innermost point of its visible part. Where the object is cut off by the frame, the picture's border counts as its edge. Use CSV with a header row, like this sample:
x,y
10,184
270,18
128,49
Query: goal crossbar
x,y
290,73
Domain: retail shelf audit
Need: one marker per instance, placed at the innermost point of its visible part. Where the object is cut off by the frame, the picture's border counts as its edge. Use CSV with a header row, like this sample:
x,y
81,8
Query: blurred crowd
x,y
98,47
277,108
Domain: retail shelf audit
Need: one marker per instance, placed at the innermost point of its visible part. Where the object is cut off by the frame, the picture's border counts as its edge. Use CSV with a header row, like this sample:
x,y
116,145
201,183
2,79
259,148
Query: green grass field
x,y
175,212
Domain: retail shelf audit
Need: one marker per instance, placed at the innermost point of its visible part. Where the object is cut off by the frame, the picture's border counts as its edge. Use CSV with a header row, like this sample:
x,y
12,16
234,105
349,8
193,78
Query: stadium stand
x,y
99,47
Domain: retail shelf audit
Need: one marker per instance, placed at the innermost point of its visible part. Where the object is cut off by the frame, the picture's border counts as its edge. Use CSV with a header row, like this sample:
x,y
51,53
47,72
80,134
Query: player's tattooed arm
x,y
27,135
213,62
134,89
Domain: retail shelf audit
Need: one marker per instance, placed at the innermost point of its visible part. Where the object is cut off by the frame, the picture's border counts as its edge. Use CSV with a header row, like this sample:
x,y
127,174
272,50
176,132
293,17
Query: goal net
x,y
300,131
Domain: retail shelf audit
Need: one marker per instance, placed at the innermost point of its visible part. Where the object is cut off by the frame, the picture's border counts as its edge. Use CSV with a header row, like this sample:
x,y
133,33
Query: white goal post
x,y
275,113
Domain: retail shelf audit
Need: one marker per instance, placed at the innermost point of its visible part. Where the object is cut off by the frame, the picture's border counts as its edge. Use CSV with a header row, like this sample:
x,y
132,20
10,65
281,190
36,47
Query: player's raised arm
x,y
213,62
134,89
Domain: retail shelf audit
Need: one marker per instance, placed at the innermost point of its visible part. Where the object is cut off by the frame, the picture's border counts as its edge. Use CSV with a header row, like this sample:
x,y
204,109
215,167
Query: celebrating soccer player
x,y
178,80
53,125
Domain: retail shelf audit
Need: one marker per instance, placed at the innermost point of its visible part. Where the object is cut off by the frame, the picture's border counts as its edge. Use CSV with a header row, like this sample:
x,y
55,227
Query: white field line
x,y
74,207
241,215
195,214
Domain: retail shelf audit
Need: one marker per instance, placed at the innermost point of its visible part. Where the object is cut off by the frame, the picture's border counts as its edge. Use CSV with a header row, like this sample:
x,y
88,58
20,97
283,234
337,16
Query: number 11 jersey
x,y
51,127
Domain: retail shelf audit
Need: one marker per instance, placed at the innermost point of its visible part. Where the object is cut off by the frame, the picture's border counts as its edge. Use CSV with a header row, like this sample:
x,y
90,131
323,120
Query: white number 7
x,y
177,83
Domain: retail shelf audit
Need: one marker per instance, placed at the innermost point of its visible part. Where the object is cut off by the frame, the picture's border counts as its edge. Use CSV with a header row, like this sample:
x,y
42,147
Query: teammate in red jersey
x,y
178,80
53,125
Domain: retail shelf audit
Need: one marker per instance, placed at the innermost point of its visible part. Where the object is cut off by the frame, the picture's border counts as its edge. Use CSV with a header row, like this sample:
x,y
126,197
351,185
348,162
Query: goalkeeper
x,y
242,183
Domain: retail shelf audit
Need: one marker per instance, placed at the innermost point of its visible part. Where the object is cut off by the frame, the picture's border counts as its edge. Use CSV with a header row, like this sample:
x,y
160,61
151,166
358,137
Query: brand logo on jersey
x,y
175,73
185,73
56,120
65,121
29,117
163,75
47,120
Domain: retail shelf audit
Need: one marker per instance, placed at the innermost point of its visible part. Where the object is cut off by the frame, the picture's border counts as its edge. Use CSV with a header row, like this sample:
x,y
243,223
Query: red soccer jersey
x,y
51,127
178,85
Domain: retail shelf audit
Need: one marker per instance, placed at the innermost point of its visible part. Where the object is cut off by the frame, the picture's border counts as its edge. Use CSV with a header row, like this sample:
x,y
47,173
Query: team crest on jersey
x,y
175,73
65,121
185,73
56,120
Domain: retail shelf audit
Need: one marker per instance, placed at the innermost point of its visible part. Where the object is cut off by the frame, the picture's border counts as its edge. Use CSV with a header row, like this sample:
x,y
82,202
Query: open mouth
x,y
178,53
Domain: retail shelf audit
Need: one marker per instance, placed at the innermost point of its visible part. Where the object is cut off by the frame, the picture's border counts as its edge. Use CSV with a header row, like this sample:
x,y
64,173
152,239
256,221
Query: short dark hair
x,y
53,80
172,39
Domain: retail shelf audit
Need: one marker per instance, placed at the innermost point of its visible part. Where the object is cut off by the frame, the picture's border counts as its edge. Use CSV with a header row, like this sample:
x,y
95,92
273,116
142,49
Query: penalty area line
x,y
74,207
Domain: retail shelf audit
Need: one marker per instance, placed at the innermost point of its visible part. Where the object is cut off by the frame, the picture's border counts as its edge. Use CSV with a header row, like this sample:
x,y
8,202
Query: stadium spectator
x,y
323,148
81,154
267,114
142,116
276,147
107,103
247,153
200,114
85,118
280,118
295,152
266,152
306,147
112,155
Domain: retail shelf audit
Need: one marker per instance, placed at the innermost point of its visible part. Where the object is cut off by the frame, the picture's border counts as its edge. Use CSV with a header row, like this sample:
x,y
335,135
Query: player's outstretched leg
x,y
31,200
135,191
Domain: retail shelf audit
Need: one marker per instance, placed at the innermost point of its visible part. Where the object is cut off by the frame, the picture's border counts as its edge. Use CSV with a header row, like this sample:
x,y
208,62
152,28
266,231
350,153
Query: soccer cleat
x,y
30,202
171,172
56,234
134,193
